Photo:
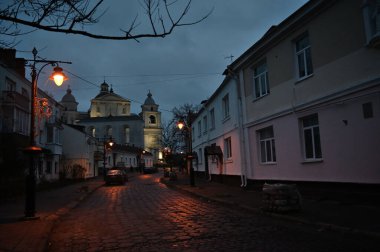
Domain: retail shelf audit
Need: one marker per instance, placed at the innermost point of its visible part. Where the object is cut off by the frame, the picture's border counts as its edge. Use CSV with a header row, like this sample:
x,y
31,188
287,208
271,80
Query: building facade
x,y
309,93
15,122
79,153
110,118
217,134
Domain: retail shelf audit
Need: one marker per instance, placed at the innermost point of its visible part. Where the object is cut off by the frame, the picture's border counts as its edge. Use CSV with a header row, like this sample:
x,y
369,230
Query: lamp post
x,y
186,125
106,142
58,76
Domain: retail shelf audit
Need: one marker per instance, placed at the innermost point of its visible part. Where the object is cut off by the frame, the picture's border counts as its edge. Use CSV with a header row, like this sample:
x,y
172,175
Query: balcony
x,y
14,99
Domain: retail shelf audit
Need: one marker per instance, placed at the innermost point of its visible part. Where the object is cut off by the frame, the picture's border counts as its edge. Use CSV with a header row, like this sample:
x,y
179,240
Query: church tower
x,y
70,113
152,126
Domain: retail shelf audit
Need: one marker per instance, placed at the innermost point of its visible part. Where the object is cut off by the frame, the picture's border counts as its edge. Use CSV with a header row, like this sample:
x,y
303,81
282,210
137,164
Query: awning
x,y
213,150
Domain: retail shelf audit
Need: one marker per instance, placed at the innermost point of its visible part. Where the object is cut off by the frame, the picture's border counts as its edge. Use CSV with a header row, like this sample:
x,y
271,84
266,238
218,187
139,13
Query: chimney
x,y
8,56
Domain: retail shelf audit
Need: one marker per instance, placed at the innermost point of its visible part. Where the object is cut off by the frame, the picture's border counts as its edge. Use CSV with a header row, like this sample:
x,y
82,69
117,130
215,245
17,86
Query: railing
x,y
12,98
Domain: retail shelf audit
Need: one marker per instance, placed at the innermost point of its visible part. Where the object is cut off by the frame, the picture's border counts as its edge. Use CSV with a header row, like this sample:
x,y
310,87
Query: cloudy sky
x,y
184,67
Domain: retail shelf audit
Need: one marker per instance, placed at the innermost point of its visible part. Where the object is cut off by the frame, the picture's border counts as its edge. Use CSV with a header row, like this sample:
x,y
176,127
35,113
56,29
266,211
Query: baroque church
x,y
110,116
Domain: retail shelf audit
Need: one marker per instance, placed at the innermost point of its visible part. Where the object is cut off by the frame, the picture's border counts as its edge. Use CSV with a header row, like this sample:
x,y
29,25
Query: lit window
x,y
267,145
303,54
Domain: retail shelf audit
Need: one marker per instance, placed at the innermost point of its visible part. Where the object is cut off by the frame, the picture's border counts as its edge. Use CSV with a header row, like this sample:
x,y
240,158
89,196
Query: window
x,y
260,80
10,85
311,137
48,167
109,130
97,109
50,134
21,121
124,111
192,133
152,119
199,128
204,124
213,157
267,145
367,110
226,106
126,135
227,147
24,93
92,131
371,15
303,54
212,118
200,155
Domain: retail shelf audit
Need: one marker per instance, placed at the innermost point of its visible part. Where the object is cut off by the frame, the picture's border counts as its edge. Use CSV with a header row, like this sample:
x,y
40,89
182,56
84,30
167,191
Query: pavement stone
x,y
327,215
19,235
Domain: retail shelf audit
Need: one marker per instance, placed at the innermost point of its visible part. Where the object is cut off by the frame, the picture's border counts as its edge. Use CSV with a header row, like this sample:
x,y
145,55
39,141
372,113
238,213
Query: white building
x,y
78,157
310,96
217,134
110,118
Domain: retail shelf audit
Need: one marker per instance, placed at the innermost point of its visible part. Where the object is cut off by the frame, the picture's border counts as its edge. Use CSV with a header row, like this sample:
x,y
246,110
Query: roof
x,y
68,97
282,30
149,100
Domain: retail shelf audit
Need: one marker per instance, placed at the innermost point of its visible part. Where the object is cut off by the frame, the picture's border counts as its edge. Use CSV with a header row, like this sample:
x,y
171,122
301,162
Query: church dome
x,y
68,97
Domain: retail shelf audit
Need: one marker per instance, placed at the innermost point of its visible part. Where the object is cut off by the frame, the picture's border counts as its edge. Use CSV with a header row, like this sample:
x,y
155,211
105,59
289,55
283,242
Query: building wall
x,y
100,108
136,131
345,76
79,148
224,128
335,61
348,144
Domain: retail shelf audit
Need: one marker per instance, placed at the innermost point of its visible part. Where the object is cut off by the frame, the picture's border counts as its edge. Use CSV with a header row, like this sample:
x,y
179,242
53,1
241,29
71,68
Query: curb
x,y
320,225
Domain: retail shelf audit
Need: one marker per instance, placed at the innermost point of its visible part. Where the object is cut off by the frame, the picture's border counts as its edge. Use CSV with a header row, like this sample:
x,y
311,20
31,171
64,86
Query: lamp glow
x,y
58,76
180,125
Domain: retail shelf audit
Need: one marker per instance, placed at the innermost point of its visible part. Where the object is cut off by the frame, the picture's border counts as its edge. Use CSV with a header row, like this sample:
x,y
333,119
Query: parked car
x,y
115,177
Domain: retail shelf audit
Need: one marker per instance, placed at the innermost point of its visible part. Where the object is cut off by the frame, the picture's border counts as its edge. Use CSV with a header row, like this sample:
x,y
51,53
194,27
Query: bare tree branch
x,y
73,16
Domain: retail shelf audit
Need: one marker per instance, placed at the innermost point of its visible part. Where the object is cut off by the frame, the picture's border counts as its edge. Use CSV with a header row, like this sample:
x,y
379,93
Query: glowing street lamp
x,y
181,124
30,194
106,142
58,76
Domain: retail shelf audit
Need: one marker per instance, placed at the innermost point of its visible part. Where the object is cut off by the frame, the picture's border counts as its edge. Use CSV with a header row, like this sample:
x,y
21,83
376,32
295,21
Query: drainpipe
x,y
243,163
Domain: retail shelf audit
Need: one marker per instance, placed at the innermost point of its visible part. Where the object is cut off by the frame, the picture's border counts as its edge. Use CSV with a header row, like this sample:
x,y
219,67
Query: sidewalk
x,y
334,215
19,235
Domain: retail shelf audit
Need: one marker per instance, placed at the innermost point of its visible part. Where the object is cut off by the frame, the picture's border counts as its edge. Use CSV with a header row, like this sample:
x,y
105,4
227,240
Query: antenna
x,y
231,57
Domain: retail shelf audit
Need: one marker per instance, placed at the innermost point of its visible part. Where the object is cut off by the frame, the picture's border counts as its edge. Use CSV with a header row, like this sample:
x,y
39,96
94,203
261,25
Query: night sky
x,y
184,67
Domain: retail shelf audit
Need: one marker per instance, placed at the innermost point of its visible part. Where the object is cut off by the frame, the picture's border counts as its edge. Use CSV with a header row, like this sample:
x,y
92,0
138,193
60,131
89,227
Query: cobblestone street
x,y
144,215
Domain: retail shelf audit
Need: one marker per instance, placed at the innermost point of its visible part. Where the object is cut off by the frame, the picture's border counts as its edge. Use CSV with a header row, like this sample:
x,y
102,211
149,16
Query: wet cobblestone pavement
x,y
144,215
